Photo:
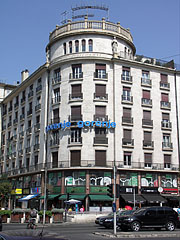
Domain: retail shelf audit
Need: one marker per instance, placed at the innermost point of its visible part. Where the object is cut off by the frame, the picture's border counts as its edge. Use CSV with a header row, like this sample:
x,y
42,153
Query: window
x,y
164,81
166,141
55,138
56,95
28,143
127,158
100,178
76,113
29,124
127,134
100,133
145,74
38,119
56,115
64,47
165,120
76,46
146,97
100,91
36,139
100,113
145,78
165,100
167,161
16,115
126,94
54,159
75,158
126,74
147,139
24,94
101,71
100,158
90,42
75,135
83,45
127,116
36,160
31,88
23,110
57,75
70,47
77,71
76,91
147,118
147,159
39,82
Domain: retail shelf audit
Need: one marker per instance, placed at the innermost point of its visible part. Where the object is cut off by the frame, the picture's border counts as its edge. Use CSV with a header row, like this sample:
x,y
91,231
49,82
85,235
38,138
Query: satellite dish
x,y
160,189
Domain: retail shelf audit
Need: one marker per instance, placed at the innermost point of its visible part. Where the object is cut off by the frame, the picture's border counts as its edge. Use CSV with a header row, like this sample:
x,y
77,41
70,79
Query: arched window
x,y
76,46
83,45
64,46
70,47
90,45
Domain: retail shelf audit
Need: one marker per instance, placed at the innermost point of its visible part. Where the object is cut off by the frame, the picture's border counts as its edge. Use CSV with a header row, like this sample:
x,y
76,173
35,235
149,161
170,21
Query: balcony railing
x,y
20,153
165,86
166,125
3,128
16,105
56,100
128,142
9,124
128,120
56,80
147,122
148,144
77,140
39,88
21,134
54,142
29,112
76,96
165,105
38,107
37,127
22,116
73,76
23,100
4,112
167,146
36,147
102,97
29,131
30,94
55,120
102,76
127,99
28,149
15,121
101,118
127,79
10,109
146,102
146,82
15,137
75,118
100,140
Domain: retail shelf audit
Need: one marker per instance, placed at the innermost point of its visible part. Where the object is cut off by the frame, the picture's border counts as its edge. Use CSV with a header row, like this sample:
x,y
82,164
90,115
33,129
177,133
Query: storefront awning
x,y
63,197
154,198
28,197
172,198
77,197
100,198
50,197
130,198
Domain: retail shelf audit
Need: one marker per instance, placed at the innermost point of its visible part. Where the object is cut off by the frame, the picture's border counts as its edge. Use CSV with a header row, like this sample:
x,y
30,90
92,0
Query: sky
x,y
25,26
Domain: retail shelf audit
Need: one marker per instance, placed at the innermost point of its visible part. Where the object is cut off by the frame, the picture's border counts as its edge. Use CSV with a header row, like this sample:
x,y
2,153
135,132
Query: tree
x,y
5,191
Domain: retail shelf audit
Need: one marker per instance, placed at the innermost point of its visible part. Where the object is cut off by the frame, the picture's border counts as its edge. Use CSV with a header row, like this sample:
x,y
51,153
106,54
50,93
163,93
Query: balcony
x,y
101,140
22,117
76,97
15,121
148,144
23,100
56,100
165,105
9,124
10,109
20,153
165,86
74,141
102,97
100,76
29,112
166,125
38,107
29,131
3,128
28,150
55,120
101,118
15,137
37,127
14,155
127,121
39,89
127,99
21,135
126,79
36,147
4,112
128,143
145,102
56,80
16,105
75,76
167,146
75,118
147,123
146,82
30,94
54,142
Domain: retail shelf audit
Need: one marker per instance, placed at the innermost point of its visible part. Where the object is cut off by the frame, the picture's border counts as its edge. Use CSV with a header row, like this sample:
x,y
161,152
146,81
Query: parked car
x,y
150,217
108,222
98,219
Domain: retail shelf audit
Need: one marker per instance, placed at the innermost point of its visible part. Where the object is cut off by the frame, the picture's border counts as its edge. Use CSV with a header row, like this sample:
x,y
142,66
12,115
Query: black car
x,y
108,222
100,219
150,217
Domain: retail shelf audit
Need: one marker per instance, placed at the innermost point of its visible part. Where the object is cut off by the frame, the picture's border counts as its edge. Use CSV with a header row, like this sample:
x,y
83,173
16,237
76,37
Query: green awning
x,y
77,197
100,198
63,197
50,197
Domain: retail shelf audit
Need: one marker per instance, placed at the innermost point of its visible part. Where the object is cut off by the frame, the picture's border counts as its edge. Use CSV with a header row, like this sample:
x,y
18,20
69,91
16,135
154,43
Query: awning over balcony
x,y
154,198
130,198
28,197
100,198
50,197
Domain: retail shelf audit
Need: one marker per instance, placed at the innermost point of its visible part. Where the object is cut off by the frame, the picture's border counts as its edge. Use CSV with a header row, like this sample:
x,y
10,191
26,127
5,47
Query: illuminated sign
x,y
18,191
81,124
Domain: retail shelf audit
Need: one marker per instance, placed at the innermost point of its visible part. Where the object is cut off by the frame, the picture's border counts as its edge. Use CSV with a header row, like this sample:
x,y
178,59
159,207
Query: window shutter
x,y
100,110
100,90
76,66
76,89
146,94
126,89
76,110
127,153
165,116
75,158
126,68
100,66
167,158
127,134
127,112
148,157
164,97
100,158
164,78
147,136
147,115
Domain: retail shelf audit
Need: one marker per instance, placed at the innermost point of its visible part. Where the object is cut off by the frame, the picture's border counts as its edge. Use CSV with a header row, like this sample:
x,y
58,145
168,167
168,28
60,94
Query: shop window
x,y
100,178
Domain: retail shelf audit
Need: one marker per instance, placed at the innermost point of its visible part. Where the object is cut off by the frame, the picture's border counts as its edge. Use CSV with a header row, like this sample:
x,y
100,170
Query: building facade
x,y
93,105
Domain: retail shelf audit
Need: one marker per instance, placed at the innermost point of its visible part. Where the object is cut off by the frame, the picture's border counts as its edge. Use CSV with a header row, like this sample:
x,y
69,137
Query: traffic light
x,y
110,190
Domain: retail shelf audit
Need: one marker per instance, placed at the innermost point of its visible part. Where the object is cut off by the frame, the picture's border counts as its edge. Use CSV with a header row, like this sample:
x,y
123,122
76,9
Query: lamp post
x,y
45,195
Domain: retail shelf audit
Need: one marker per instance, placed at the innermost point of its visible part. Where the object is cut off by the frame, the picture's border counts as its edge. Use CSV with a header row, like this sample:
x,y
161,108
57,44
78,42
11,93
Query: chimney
x,y
24,75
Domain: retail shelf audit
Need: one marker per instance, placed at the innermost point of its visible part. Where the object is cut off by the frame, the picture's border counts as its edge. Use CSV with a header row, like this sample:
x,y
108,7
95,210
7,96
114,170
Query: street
x,y
87,231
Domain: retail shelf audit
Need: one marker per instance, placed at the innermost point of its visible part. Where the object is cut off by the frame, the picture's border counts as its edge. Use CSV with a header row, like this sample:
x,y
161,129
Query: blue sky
x,y
25,27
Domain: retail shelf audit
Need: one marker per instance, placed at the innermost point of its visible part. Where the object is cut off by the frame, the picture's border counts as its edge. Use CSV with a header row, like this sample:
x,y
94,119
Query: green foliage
x,y
57,210
47,213
5,188
5,212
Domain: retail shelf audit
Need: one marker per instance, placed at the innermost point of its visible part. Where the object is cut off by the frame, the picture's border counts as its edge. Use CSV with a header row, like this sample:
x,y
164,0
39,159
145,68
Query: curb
x,y
130,235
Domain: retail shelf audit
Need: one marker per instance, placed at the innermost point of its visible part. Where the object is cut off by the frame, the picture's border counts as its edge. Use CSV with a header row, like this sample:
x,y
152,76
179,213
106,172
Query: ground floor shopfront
x,y
139,188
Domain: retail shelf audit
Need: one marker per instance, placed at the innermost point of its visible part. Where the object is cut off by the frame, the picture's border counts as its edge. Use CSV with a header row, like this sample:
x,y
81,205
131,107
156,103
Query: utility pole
x,y
114,201
45,195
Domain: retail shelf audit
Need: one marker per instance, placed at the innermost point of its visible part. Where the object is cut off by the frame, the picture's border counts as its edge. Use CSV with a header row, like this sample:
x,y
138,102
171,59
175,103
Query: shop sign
x,y
81,124
13,192
149,190
124,189
18,191
170,190
36,190
26,191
